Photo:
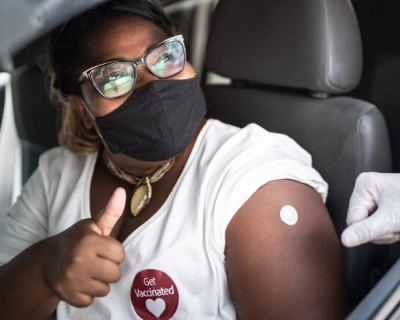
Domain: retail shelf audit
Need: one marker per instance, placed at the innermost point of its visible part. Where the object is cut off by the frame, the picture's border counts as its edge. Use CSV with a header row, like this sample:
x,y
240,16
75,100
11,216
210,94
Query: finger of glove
x,y
363,200
356,213
388,238
366,230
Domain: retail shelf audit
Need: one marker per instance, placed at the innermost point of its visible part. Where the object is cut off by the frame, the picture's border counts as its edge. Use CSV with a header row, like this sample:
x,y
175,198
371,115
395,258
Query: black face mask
x,y
156,123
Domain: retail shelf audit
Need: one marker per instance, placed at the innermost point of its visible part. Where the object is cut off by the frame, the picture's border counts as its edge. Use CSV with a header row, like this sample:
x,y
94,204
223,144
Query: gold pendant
x,y
141,197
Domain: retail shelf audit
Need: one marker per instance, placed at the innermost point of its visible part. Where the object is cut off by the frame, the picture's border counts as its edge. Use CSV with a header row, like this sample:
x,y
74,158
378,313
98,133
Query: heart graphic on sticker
x,y
156,307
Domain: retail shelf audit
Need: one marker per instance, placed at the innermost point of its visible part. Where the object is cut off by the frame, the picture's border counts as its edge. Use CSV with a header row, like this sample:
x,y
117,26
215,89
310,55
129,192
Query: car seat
x,y
37,119
380,28
289,63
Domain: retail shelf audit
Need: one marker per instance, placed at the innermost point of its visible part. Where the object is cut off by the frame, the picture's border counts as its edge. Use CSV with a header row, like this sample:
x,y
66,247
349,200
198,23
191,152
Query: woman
x,y
150,211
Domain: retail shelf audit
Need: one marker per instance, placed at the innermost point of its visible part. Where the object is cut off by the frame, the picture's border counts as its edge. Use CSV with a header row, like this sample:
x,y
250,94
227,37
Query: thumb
x,y
366,230
352,236
108,217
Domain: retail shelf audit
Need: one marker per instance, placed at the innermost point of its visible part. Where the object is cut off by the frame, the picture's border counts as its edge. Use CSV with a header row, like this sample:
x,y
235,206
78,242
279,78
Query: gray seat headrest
x,y
307,44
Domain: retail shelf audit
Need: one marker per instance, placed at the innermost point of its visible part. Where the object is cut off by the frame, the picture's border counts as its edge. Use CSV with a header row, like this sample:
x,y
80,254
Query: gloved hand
x,y
374,210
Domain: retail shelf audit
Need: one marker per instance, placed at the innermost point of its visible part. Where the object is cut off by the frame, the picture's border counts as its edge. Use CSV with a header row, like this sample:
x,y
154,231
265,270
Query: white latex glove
x,y
374,210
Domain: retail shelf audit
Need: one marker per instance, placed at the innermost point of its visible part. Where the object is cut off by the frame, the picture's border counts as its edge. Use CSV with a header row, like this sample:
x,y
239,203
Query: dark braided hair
x,y
66,49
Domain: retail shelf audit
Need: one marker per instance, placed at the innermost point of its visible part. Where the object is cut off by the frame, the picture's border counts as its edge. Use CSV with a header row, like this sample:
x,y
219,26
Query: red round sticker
x,y
154,295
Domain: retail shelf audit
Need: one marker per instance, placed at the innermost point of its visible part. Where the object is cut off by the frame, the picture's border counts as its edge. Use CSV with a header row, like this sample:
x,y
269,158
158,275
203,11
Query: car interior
x,y
300,91
318,71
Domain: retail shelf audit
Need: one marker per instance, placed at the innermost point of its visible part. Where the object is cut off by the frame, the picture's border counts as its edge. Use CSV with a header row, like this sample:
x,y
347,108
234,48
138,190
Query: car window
x,y
2,98
192,20
8,146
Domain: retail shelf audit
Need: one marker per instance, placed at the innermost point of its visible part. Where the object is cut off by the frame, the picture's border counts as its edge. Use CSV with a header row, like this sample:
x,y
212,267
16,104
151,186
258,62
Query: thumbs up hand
x,y
84,259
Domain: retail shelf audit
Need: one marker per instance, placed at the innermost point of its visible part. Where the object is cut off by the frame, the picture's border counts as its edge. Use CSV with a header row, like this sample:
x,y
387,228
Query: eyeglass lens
x,y
118,78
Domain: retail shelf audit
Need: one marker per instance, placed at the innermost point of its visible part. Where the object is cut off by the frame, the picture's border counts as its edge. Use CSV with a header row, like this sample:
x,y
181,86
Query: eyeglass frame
x,y
88,72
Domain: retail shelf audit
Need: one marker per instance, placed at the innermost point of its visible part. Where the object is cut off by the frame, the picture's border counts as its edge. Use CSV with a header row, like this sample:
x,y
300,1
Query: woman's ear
x,y
77,103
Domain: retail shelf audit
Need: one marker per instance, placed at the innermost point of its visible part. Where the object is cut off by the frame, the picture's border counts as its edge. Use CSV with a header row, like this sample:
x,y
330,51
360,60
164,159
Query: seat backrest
x,y
379,25
35,116
290,62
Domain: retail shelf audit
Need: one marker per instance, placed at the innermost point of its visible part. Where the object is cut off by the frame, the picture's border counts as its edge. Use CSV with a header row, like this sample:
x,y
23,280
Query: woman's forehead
x,y
126,38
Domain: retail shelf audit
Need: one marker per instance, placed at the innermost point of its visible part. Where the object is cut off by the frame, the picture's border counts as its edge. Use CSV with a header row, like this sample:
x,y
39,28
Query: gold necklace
x,y
143,191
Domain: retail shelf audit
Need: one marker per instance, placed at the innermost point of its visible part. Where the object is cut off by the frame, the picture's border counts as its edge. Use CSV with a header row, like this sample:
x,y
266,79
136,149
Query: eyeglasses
x,y
115,79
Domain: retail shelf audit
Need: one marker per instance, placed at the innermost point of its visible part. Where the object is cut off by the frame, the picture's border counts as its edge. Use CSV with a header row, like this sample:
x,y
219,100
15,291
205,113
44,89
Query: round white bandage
x,y
289,215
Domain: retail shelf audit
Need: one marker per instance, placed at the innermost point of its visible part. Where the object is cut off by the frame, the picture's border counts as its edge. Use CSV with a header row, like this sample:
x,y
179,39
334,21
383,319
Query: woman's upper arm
x,y
278,270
